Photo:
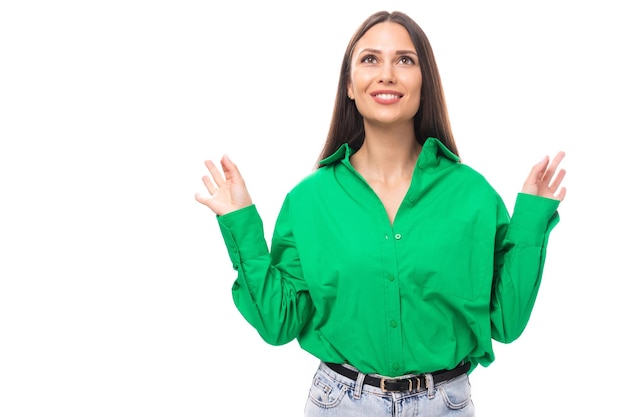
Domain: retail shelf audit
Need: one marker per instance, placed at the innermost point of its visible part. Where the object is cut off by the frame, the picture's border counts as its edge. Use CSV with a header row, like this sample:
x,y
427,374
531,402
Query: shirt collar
x,y
431,152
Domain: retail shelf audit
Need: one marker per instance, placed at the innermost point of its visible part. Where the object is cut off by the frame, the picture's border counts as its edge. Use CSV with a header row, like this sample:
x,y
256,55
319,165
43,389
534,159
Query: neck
x,y
387,155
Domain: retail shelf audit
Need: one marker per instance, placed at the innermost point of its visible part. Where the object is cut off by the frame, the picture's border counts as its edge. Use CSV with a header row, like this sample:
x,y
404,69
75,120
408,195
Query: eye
x,y
369,59
407,60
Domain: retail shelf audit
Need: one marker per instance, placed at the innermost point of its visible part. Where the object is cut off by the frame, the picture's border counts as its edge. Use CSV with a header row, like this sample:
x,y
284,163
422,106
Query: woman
x,y
393,263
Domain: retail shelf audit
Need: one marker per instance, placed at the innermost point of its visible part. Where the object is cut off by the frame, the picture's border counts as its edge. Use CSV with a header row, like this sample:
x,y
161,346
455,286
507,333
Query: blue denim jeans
x,y
333,395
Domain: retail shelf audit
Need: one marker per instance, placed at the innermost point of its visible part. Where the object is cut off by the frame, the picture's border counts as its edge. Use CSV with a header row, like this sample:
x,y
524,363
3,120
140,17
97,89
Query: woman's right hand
x,y
226,193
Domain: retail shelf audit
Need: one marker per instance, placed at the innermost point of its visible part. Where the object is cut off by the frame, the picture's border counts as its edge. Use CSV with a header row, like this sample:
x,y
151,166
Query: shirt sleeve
x,y
269,290
520,254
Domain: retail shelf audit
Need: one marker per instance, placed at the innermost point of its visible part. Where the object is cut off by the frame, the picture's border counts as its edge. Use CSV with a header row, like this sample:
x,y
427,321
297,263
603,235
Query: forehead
x,y
385,35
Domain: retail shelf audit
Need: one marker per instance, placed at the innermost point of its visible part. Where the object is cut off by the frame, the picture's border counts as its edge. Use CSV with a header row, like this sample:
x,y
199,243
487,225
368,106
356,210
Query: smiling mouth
x,y
387,96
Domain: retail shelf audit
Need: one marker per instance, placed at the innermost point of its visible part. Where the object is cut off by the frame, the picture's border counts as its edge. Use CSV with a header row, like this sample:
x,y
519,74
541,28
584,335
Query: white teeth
x,y
387,96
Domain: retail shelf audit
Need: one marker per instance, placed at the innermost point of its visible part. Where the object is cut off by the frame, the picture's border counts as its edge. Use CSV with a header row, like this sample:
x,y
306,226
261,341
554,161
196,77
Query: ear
x,y
350,92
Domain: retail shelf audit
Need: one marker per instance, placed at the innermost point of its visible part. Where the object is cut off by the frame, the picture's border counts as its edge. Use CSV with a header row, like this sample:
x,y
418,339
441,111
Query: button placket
x,y
392,294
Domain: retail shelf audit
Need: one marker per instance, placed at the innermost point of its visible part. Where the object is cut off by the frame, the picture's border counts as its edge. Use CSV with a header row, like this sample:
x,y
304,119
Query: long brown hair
x,y
431,119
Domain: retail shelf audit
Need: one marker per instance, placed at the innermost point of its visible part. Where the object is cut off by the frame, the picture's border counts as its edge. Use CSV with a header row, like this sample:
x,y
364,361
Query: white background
x,y
114,282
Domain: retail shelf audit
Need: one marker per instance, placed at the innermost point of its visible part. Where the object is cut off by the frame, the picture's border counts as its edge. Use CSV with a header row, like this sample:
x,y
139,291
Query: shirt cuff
x,y
533,218
243,234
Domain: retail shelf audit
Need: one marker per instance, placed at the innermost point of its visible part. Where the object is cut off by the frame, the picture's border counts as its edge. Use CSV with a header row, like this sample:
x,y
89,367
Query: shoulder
x,y
470,173
311,191
474,180
317,179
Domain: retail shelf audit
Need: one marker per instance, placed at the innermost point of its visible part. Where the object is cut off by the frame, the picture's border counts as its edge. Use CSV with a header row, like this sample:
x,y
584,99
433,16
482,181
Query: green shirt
x,y
453,271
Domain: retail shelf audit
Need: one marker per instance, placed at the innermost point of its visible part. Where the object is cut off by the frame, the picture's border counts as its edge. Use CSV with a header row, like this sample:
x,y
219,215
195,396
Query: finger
x,y
210,186
556,182
215,173
537,171
561,195
201,198
553,166
231,171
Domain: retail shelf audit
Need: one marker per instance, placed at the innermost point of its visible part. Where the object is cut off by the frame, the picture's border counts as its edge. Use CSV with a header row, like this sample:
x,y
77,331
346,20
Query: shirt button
x,y
393,323
391,277
396,366
398,236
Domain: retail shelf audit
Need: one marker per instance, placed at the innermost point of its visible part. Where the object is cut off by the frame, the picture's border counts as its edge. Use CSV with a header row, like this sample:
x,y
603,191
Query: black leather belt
x,y
414,382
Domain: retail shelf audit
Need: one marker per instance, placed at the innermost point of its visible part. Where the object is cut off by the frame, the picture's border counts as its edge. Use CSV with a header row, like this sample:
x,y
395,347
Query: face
x,y
385,77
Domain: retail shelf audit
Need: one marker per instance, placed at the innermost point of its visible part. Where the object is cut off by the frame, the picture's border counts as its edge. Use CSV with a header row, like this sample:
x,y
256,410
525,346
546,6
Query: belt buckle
x,y
383,388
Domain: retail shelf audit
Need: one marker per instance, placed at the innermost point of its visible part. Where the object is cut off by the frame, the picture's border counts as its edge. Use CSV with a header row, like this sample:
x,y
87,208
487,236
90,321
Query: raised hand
x,y
226,193
542,180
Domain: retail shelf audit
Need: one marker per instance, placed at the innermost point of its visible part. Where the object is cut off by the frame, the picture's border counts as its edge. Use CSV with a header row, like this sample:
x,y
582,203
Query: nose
x,y
387,74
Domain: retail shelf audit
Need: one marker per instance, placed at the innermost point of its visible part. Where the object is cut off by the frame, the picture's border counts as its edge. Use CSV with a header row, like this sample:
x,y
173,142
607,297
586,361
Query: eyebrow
x,y
399,52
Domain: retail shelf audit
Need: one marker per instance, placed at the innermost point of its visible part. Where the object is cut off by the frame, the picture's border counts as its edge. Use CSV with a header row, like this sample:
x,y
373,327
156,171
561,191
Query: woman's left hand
x,y
542,180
